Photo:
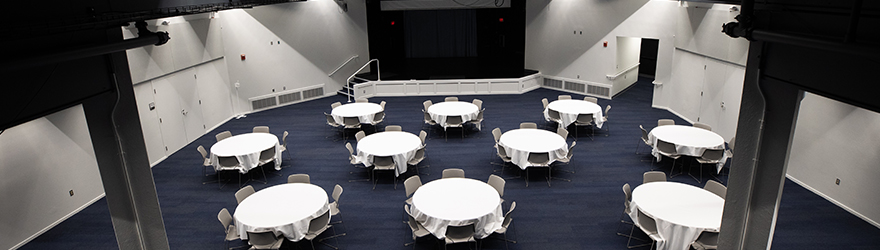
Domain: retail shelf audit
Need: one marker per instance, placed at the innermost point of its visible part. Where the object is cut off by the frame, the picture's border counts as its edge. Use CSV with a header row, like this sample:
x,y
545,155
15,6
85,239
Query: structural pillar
x,y
767,118
119,146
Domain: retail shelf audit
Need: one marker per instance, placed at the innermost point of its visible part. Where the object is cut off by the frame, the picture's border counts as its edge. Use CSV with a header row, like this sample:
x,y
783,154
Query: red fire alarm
x,y
242,57
392,23
500,20
604,44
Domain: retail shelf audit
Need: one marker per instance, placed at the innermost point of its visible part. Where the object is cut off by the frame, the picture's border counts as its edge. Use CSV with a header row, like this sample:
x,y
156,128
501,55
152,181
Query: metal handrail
x,y
612,77
342,65
378,74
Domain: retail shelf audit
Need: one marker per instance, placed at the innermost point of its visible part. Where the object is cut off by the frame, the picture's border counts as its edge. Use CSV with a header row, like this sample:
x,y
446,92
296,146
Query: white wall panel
x,y
556,47
195,46
427,88
467,87
699,30
712,92
412,89
214,92
628,49
444,87
306,53
390,89
214,36
732,99
186,47
170,119
705,60
184,84
686,84
505,87
42,160
482,87
722,94
149,122
835,140
530,83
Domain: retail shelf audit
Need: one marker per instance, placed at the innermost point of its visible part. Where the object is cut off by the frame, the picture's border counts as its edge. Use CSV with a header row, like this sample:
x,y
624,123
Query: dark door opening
x,y
648,57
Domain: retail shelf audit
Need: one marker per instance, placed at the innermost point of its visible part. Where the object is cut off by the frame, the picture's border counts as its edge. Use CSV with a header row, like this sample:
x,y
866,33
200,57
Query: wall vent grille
x,y
581,87
263,103
598,90
288,98
574,86
553,83
311,93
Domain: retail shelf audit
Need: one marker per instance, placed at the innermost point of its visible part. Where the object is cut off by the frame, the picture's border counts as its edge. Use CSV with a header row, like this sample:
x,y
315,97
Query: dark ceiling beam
x,y
735,2
145,37
817,54
113,19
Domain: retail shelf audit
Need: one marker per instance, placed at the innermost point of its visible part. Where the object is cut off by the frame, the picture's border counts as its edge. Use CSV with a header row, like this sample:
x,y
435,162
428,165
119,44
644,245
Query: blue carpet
x,y
581,214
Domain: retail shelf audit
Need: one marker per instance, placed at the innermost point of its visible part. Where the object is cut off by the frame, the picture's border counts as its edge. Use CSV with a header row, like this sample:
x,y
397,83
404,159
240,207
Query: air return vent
x,y
574,86
598,90
263,103
553,83
288,98
578,86
311,93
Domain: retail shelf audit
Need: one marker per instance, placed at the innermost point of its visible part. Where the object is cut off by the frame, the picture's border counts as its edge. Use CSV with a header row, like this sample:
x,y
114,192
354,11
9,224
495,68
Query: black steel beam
x,y
115,131
757,173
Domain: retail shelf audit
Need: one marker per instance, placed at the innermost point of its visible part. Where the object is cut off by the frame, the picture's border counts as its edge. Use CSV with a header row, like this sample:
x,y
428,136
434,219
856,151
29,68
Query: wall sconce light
x,y
733,8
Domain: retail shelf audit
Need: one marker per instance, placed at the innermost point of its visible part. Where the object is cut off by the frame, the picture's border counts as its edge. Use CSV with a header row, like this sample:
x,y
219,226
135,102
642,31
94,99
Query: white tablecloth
x,y
401,146
520,142
681,211
246,148
439,112
688,140
570,109
457,202
284,209
363,111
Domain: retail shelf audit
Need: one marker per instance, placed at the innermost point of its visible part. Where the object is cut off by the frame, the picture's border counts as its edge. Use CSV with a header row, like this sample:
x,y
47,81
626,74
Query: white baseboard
x,y
673,112
50,226
835,202
532,88
158,161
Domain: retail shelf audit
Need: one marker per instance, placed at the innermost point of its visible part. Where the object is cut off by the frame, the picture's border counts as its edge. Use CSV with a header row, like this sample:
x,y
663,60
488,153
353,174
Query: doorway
x,y
648,58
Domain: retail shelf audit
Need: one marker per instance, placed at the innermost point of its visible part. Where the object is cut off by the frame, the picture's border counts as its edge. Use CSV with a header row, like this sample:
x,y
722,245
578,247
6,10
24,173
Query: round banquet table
x,y
570,109
246,148
681,211
520,142
439,112
457,202
688,140
363,111
284,209
401,146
